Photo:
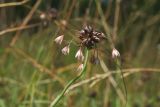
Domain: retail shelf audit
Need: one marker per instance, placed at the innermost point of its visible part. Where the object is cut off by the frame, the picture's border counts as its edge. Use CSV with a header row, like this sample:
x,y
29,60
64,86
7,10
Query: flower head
x,y
79,55
90,37
115,53
59,39
66,50
80,67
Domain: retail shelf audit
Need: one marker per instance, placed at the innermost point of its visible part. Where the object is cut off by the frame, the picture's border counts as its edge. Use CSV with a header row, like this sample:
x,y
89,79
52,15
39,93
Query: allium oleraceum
x,y
88,38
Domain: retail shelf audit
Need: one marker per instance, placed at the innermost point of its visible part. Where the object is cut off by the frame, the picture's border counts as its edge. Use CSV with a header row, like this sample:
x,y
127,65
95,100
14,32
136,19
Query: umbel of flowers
x,y
89,38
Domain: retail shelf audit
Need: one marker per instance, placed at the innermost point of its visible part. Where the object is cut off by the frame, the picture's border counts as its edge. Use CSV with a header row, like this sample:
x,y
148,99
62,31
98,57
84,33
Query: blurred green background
x,y
33,71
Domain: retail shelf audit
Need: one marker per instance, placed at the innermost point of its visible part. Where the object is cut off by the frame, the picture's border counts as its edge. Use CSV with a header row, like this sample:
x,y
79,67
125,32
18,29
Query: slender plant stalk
x,y
118,62
60,96
13,3
105,24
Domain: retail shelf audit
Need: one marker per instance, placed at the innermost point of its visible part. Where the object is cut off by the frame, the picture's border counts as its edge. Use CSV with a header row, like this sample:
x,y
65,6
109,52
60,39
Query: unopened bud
x,y
115,53
59,39
66,50
80,67
79,55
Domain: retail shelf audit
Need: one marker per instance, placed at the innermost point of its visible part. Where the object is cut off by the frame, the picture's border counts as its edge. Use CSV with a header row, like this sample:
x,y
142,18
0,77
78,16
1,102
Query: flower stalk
x,y
60,96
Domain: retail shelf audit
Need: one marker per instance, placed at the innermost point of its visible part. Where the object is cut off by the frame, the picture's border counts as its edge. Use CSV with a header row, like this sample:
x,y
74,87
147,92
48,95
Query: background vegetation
x,y
33,71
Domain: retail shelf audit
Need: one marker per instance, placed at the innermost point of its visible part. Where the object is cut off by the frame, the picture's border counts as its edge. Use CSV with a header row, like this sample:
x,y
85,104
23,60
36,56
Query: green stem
x,y
105,24
118,62
59,97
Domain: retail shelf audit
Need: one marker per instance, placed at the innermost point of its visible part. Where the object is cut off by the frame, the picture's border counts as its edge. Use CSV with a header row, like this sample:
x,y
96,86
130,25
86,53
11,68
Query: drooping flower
x,y
80,67
94,59
42,16
59,39
66,50
115,53
79,55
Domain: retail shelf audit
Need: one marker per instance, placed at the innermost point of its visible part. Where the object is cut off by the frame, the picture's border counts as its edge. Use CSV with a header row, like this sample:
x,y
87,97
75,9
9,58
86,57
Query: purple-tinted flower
x,y
79,55
115,53
80,67
59,39
66,50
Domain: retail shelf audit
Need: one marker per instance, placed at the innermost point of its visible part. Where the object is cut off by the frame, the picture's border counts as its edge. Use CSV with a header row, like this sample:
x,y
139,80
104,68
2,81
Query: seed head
x,y
80,67
66,50
59,39
79,55
115,53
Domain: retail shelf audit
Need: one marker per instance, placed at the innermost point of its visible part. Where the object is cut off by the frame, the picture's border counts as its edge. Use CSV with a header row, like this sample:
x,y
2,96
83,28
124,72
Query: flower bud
x,y
80,67
79,55
42,16
94,60
59,39
66,50
115,53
